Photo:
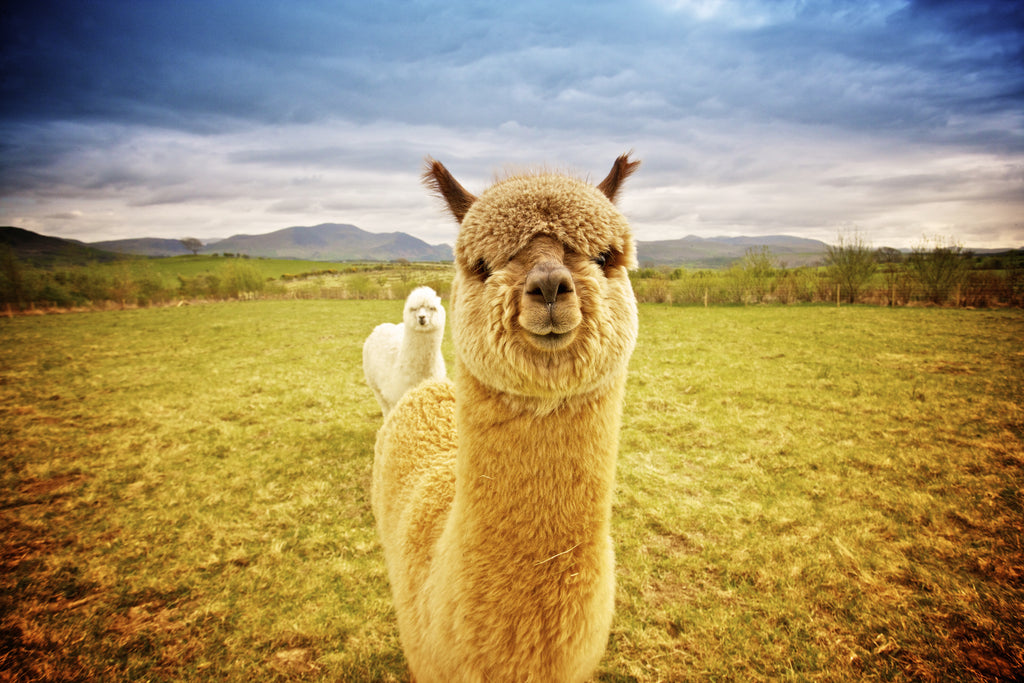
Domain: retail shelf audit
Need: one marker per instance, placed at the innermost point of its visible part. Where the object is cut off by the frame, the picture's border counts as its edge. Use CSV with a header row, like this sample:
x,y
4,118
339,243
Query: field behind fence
x,y
804,493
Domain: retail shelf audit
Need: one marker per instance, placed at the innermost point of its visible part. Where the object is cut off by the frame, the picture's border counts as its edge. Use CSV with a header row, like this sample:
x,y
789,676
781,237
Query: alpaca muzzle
x,y
549,309
549,280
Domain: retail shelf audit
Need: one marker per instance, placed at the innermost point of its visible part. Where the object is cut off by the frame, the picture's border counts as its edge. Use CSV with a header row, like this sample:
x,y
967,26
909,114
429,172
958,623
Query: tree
x,y
757,269
888,255
192,244
851,264
12,281
891,261
939,266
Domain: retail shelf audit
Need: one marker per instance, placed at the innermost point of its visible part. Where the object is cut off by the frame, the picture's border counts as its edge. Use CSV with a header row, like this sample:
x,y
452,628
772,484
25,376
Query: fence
x,y
977,288
103,286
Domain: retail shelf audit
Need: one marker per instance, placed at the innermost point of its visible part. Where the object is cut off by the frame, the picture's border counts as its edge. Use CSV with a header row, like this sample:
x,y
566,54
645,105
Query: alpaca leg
x,y
381,401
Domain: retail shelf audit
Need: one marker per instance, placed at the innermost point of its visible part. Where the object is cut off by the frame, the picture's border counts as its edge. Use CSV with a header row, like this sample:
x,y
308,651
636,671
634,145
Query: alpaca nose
x,y
549,280
423,319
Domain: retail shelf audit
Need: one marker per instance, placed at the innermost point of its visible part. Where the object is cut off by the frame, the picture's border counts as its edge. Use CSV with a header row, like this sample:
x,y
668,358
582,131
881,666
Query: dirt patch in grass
x,y
32,593
36,489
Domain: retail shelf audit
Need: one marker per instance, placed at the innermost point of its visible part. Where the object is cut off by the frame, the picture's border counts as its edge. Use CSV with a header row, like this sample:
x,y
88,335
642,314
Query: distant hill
x,y
342,242
144,246
719,252
40,250
332,242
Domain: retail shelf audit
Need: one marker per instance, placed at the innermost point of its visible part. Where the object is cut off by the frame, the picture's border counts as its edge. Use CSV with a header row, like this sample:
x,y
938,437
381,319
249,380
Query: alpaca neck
x,y
418,351
526,546
534,485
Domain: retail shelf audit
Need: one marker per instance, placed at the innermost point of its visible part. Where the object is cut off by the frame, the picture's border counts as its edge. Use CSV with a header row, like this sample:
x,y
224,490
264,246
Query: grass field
x,y
135,282
271,267
804,493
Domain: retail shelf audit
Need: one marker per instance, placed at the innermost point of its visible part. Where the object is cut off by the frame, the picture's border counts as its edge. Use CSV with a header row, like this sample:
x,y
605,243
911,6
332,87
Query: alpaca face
x,y
568,335
423,311
541,302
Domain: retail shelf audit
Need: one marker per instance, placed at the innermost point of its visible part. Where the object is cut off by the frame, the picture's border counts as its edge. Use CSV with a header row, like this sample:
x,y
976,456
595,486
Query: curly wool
x,y
570,210
492,494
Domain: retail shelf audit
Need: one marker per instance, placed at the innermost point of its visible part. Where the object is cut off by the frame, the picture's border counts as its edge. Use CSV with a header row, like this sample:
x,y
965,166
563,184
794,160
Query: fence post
x,y
837,295
705,297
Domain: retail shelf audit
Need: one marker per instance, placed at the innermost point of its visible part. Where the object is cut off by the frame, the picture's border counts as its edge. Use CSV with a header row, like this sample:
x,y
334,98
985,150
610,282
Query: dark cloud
x,y
202,66
984,19
184,64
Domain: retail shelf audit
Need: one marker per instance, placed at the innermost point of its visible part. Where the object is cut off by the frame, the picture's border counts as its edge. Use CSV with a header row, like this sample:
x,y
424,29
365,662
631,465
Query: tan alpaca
x,y
493,495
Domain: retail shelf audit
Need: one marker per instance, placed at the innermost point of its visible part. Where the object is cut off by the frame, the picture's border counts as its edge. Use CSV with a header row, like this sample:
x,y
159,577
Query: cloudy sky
x,y
890,119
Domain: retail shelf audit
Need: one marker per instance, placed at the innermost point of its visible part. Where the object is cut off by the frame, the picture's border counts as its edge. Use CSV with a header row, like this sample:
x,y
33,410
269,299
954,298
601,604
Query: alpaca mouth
x,y
552,341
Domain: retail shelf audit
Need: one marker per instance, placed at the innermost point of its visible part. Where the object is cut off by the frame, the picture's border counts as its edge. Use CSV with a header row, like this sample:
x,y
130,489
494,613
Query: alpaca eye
x,y
606,259
481,270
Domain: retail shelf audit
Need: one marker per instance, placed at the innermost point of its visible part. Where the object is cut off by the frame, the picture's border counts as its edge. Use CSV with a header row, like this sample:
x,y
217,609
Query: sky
x,y
888,121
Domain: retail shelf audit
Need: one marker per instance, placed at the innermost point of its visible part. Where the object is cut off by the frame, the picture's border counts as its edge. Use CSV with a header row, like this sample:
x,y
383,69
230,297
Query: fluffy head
x,y
541,303
423,311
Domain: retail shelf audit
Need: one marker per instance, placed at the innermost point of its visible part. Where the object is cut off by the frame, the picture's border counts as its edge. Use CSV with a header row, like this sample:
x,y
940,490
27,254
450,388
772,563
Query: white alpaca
x,y
398,357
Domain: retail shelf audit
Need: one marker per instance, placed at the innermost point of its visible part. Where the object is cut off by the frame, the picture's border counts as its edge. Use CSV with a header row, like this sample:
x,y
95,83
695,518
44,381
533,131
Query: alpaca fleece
x,y
492,494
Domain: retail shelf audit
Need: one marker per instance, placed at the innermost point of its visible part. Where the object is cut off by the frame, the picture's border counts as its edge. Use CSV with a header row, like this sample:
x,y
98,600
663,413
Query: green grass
x,y
189,266
134,282
804,493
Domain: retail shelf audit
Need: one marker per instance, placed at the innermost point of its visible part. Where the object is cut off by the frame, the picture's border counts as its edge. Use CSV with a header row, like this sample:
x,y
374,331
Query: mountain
x,y
41,250
341,242
719,252
332,242
144,246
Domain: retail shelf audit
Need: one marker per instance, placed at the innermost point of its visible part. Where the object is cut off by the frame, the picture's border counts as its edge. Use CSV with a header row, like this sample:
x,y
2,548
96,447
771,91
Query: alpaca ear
x,y
444,185
621,169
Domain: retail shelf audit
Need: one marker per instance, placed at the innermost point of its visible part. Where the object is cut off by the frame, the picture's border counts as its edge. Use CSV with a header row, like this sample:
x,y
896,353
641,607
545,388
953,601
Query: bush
x,y
652,291
797,285
55,295
690,288
12,278
443,286
986,288
239,279
362,287
646,274
199,286
92,283
757,274
401,290
151,290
